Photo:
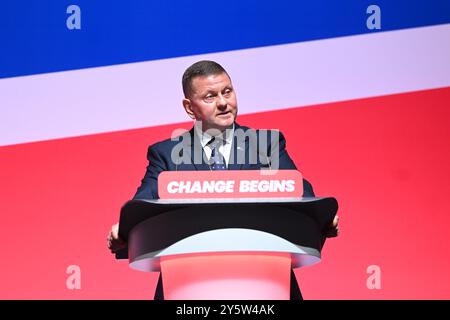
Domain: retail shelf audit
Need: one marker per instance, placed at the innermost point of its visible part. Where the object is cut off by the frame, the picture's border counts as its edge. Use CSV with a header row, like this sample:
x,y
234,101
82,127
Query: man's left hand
x,y
333,228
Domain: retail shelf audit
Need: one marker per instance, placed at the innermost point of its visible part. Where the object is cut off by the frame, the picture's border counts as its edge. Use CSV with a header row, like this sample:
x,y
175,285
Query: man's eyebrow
x,y
210,91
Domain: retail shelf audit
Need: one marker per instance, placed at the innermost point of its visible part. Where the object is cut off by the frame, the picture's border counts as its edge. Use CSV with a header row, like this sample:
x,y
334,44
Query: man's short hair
x,y
202,68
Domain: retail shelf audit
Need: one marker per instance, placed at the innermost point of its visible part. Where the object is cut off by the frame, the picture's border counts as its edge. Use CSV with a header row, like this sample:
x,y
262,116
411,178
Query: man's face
x,y
212,101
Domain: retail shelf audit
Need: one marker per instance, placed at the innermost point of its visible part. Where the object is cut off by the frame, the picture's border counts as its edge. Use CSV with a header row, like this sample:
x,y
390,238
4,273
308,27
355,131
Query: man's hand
x,y
114,242
333,228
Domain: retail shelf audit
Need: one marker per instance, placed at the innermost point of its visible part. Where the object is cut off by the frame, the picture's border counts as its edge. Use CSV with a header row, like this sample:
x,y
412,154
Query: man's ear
x,y
188,108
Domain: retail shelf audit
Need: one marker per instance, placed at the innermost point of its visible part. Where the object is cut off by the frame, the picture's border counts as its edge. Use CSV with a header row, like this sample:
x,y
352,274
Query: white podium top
x,y
229,240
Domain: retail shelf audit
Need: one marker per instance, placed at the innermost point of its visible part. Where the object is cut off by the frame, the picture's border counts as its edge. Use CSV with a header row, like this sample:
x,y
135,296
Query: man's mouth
x,y
223,113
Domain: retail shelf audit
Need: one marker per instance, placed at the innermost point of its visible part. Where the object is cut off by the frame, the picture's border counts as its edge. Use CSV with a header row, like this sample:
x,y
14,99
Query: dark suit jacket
x,y
160,157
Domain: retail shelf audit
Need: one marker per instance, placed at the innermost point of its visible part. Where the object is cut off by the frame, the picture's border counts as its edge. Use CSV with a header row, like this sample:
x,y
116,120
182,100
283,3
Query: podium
x,y
225,248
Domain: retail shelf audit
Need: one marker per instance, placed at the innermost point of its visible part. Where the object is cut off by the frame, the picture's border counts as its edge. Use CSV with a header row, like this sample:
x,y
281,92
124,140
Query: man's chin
x,y
220,125
225,124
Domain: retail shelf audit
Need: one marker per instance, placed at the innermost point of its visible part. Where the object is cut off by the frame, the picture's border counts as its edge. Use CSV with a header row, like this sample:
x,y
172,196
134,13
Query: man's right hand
x,y
114,242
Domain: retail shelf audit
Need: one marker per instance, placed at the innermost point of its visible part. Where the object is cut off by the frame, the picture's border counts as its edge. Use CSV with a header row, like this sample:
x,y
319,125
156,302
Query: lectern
x,y
225,248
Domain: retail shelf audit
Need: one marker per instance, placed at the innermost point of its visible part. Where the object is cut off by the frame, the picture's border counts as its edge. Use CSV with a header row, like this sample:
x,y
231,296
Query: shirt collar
x,y
205,137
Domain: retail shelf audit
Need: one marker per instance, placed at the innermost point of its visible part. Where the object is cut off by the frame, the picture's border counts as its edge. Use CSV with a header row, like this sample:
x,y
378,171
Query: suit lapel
x,y
238,151
196,152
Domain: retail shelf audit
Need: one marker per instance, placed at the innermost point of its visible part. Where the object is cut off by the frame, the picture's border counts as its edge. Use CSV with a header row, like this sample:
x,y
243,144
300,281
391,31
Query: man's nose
x,y
221,102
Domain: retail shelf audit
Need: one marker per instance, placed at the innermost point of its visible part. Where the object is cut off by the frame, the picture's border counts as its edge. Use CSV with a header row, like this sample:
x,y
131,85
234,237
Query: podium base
x,y
227,276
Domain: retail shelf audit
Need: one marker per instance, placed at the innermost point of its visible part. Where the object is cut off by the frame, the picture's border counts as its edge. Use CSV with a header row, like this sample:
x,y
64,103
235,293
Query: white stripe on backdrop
x,y
87,101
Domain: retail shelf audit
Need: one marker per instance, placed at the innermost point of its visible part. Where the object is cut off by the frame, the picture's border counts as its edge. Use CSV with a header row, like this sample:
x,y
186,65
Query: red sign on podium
x,y
230,184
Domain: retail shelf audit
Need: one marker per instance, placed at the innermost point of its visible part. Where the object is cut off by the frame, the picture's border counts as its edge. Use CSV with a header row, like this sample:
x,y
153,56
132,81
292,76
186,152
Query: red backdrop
x,y
386,159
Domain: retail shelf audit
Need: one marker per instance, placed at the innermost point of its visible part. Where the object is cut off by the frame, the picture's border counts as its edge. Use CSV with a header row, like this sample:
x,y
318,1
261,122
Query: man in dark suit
x,y
248,150
216,142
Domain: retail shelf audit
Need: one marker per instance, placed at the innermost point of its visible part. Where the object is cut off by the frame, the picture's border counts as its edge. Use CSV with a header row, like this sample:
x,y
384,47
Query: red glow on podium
x,y
224,276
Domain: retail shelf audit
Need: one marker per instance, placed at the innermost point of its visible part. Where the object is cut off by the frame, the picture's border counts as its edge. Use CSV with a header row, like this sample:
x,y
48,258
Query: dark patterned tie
x,y
217,161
